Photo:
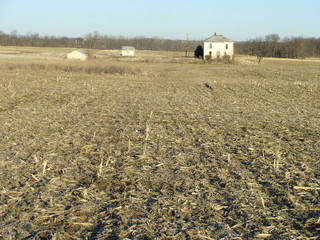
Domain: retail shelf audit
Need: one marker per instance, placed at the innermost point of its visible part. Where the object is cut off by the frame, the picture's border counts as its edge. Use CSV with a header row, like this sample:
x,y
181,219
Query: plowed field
x,y
178,150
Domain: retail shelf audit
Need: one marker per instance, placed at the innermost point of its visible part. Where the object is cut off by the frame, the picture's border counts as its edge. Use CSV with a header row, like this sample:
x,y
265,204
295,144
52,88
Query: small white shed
x,y
127,51
78,55
217,46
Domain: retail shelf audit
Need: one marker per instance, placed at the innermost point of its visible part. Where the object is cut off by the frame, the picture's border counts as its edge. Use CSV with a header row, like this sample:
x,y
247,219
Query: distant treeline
x,y
273,46
97,41
269,46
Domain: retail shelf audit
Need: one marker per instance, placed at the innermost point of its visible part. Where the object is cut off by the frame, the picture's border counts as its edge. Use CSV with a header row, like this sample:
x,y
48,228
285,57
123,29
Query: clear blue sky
x,y
174,19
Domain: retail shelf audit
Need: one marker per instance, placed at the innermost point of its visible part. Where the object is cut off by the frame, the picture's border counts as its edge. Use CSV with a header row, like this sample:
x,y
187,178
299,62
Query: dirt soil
x,y
184,151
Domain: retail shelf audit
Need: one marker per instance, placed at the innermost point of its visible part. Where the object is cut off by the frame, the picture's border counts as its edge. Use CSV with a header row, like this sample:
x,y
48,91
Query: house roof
x,y
83,52
127,48
218,38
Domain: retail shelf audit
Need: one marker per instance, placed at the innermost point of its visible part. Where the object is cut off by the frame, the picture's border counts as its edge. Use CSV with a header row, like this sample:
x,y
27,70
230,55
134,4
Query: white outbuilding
x,y
218,46
78,55
127,51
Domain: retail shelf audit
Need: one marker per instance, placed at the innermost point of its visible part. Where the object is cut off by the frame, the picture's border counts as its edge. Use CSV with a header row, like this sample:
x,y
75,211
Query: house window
x,y
210,46
227,46
210,53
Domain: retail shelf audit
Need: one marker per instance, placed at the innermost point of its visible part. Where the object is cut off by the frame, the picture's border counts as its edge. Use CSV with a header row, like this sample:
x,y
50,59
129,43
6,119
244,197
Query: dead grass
x,y
187,151
93,66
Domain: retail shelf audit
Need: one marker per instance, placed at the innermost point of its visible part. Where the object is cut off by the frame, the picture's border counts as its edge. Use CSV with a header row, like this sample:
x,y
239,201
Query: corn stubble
x,y
183,151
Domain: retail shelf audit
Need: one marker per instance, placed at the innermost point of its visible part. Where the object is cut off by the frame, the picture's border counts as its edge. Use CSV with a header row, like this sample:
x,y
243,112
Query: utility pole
x,y
187,43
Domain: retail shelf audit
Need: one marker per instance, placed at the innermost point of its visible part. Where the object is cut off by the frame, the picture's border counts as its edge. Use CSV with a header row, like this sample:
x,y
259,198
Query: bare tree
x,y
272,44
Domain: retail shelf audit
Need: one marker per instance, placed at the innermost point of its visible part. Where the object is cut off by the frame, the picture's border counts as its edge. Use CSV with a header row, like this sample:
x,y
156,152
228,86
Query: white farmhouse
x,y
78,55
217,46
128,51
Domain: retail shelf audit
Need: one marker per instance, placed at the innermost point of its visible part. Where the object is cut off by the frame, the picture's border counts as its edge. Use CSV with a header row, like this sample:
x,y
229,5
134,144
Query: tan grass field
x,y
158,147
